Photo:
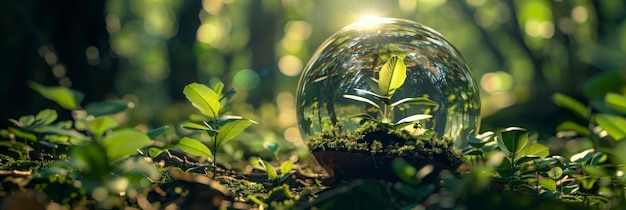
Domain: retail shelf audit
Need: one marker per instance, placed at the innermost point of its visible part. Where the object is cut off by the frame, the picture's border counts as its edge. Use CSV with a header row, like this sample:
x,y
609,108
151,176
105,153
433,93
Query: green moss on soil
x,y
21,165
376,139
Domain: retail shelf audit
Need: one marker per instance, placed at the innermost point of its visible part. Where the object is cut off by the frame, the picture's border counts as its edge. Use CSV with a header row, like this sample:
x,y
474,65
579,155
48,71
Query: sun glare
x,y
368,20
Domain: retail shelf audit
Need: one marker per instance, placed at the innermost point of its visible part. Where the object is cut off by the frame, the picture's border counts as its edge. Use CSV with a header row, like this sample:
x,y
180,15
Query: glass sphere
x,y
345,62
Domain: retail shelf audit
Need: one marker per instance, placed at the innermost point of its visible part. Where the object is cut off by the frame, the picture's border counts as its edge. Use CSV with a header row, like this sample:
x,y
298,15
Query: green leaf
x,y
102,124
505,168
405,171
376,95
474,152
411,119
139,171
194,126
229,94
231,129
373,84
154,152
22,134
615,102
602,83
581,157
65,97
27,120
361,99
218,88
203,98
615,126
286,167
271,172
362,115
587,182
199,127
91,160
572,126
511,140
124,142
46,116
555,173
49,129
391,75
193,147
480,140
270,146
594,171
49,145
618,152
416,101
598,158
526,158
571,104
56,139
157,131
535,149
549,184
106,108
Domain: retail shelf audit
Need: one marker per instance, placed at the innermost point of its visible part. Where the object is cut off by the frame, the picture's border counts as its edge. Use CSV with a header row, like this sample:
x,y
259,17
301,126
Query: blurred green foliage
x,y
145,51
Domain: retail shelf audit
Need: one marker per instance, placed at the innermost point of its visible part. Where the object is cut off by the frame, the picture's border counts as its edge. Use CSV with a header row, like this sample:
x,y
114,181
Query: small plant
x,y
220,128
277,178
390,78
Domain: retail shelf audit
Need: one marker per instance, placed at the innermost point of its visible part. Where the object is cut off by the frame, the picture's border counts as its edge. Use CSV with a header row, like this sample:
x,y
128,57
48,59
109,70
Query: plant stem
x,y
214,156
386,113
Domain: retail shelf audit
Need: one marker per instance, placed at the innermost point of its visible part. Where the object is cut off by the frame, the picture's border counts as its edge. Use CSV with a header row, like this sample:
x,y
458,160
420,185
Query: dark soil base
x,y
368,152
355,165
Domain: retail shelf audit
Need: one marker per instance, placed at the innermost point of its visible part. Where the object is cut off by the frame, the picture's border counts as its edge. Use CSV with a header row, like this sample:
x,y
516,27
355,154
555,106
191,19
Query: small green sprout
x,y
390,78
221,128
272,175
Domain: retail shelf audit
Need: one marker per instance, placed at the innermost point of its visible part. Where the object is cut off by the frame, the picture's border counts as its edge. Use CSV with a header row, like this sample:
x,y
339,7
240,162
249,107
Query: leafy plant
x,y
606,123
390,80
220,128
276,178
43,131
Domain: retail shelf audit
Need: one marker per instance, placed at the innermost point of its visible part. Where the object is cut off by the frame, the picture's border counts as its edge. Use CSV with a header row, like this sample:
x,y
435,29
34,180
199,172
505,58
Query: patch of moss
x,y
22,165
280,197
242,187
377,139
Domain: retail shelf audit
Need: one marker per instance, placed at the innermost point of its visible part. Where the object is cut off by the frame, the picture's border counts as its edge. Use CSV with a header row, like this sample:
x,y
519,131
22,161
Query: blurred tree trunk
x,y
66,28
262,23
182,60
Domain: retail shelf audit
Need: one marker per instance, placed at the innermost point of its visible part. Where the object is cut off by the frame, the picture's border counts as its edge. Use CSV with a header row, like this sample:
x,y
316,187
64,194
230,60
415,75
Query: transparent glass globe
x,y
349,58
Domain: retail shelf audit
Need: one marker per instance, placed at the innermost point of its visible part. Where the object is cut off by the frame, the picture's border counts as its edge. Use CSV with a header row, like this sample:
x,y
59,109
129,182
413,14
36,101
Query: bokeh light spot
x,y
93,55
50,58
212,6
290,65
246,78
207,33
160,21
539,29
291,45
58,70
580,14
407,5
287,110
496,82
113,23
298,30
503,99
292,134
